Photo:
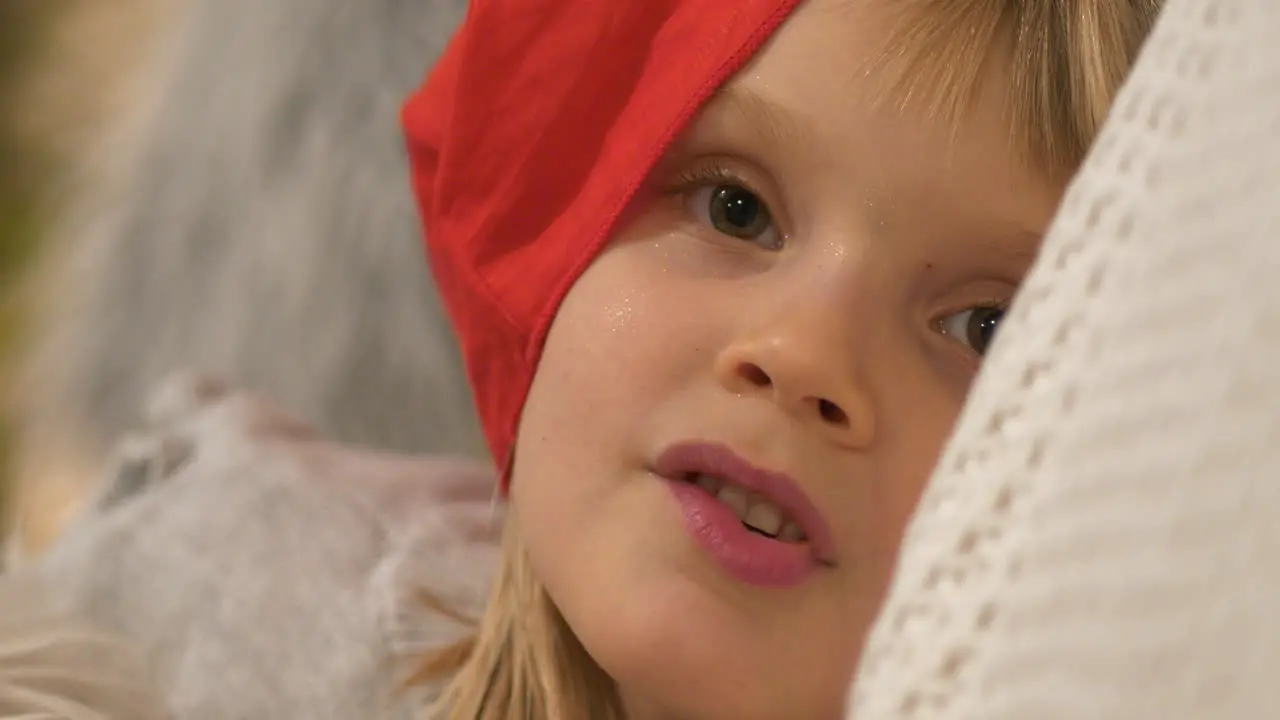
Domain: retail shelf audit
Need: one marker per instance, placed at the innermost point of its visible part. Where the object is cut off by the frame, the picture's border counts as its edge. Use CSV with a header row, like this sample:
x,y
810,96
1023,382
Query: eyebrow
x,y
736,111
1018,249
771,122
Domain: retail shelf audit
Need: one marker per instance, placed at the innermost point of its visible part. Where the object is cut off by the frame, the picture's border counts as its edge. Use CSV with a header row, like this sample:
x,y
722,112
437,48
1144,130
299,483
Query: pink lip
x,y
752,558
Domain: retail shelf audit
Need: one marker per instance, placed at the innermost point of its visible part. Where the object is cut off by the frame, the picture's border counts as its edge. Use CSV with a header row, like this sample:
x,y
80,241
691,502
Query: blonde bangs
x,y
1067,59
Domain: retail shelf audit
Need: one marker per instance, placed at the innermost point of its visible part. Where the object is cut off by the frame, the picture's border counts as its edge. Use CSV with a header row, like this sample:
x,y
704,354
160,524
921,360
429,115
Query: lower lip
x,y
754,559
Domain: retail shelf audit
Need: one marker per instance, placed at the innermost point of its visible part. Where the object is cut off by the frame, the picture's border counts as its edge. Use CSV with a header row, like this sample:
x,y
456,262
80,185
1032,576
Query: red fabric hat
x,y
529,139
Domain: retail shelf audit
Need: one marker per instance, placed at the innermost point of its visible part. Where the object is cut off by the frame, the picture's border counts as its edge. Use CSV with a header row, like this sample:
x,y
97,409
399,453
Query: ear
x,y
54,665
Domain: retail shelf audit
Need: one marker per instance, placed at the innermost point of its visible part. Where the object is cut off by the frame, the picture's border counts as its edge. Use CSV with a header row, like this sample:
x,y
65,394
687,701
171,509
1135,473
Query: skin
x,y
885,235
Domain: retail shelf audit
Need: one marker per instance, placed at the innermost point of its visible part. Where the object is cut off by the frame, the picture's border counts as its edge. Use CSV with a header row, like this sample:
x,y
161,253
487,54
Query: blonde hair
x,y
523,662
1068,59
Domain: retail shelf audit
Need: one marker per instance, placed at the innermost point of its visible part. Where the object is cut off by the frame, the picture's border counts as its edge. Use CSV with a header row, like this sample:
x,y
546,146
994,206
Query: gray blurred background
x,y
216,185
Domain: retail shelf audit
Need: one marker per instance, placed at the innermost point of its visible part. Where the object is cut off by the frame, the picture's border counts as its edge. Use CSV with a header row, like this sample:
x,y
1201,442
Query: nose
x,y
805,375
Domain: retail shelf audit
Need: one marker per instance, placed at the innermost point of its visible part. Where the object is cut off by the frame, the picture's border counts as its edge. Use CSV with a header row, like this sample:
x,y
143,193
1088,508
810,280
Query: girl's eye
x,y
975,327
737,212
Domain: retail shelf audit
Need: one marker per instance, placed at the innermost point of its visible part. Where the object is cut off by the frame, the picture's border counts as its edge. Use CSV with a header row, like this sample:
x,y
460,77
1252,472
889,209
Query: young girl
x,y
723,278
723,275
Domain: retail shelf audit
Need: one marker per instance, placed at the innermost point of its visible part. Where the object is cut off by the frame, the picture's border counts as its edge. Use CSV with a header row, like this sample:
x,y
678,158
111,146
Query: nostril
x,y
755,375
832,413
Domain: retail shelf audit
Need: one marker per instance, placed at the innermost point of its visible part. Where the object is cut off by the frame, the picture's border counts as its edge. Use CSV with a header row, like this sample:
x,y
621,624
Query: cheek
x,y
922,393
608,361
919,411
601,361
622,339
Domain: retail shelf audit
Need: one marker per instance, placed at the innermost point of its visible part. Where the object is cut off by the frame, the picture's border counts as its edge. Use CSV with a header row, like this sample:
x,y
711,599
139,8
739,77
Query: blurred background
x,y
63,65
16,238
216,186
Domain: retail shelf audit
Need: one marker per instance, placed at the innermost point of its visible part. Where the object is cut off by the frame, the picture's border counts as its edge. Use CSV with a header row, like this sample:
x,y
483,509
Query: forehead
x,y
819,88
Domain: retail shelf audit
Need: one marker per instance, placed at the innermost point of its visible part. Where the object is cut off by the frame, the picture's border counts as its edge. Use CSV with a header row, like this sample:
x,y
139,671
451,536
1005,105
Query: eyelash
x,y
712,173
1001,304
986,304
717,173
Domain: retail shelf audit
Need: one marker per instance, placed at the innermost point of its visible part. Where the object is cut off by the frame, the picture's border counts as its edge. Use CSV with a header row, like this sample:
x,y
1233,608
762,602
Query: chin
x,y
679,646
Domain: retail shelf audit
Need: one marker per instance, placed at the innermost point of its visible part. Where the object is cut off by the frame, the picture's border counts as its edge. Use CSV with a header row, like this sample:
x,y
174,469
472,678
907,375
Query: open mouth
x,y
757,514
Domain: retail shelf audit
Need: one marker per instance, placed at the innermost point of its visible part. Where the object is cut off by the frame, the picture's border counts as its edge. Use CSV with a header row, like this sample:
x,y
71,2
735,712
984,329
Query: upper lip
x,y
680,461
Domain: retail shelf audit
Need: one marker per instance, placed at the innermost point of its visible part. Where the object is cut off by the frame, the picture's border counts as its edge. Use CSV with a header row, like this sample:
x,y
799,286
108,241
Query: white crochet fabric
x,y
1102,537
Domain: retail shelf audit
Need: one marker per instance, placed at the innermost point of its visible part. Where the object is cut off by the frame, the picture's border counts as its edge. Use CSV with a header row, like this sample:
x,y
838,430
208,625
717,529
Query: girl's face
x,y
781,338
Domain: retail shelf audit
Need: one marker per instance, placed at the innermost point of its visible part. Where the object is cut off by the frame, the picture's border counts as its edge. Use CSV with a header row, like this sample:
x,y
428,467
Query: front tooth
x,y
764,517
791,532
735,498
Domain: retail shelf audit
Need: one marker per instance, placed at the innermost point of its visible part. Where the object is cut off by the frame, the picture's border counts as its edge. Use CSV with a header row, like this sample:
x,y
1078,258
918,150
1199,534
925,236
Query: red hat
x,y
527,142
